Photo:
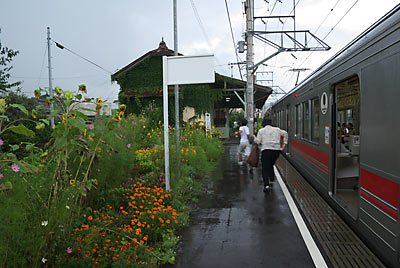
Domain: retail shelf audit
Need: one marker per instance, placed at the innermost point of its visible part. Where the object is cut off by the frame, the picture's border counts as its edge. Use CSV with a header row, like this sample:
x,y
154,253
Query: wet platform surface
x,y
238,225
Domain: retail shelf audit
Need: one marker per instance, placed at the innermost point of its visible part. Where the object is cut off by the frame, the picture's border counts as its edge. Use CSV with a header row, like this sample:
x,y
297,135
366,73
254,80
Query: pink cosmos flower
x,y
69,250
91,126
1,142
100,121
80,137
1,175
183,137
15,167
129,145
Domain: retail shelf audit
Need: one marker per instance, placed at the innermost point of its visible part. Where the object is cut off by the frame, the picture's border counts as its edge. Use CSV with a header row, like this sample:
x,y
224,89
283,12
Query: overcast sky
x,y
114,33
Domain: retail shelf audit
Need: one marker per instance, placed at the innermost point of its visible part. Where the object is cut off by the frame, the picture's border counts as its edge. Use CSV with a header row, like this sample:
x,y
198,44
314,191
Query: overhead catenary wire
x,y
345,14
41,68
233,38
323,39
76,54
196,13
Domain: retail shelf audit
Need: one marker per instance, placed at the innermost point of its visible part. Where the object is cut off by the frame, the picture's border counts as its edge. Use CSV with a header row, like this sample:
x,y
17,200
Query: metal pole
x,y
50,76
176,89
165,106
250,62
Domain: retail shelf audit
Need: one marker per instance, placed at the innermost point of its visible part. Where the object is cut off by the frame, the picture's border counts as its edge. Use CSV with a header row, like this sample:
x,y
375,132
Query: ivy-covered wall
x,y
146,77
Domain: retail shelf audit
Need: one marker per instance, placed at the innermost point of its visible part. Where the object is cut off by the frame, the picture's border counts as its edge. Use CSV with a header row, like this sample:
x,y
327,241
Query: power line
x,y
329,13
326,37
76,54
196,13
41,69
331,29
61,77
233,38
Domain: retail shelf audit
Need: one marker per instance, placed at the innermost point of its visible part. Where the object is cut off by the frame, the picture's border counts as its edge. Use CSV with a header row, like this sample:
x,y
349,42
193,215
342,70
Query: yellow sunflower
x,y
82,88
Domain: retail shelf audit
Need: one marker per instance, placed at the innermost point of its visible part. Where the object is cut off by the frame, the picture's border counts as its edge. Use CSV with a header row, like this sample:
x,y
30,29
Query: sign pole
x,y
182,70
165,108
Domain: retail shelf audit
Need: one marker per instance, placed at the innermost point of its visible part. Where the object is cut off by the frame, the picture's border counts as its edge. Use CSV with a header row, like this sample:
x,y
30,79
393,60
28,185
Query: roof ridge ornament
x,y
162,46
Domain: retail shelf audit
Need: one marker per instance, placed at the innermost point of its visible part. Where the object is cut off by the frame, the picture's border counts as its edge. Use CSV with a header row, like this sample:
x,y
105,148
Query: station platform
x,y
238,225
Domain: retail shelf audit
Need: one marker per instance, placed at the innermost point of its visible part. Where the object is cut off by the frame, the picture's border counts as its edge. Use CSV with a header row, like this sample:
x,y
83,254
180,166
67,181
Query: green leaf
x,y
44,121
78,123
80,114
68,95
11,156
54,113
67,103
22,108
7,185
14,147
29,147
87,109
4,116
58,90
39,126
79,96
22,130
39,107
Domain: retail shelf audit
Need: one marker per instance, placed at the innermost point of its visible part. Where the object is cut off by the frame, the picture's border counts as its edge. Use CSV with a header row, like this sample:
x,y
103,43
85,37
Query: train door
x,y
288,126
347,144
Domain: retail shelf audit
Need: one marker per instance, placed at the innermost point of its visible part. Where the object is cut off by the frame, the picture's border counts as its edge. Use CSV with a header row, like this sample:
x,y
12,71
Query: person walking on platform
x,y
244,145
269,139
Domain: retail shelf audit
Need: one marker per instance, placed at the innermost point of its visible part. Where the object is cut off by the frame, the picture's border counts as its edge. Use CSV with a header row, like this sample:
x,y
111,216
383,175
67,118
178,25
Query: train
x,y
344,134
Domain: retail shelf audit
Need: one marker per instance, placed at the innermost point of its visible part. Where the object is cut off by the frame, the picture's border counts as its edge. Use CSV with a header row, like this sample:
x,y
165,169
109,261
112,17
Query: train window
x,y
306,120
298,120
315,120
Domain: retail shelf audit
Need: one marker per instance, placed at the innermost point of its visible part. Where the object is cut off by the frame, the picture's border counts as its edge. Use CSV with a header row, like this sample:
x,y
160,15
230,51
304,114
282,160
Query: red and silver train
x,y
344,134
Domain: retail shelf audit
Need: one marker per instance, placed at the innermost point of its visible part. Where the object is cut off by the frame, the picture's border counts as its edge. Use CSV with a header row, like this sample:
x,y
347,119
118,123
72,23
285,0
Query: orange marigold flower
x,y
90,218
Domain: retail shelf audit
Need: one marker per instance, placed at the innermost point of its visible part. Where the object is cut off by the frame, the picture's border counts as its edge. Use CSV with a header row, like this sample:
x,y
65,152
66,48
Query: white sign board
x,y
190,70
208,122
182,70
326,134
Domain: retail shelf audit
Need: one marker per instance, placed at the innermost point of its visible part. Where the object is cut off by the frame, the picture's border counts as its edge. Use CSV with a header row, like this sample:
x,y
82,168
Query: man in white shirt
x,y
269,138
244,146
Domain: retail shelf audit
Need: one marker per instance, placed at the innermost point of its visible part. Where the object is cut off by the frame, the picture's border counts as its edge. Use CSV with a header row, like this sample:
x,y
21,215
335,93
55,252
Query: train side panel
x,y
374,60
380,152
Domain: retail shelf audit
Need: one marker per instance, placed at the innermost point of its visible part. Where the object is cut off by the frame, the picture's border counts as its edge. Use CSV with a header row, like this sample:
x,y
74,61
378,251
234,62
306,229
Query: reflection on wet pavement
x,y
237,225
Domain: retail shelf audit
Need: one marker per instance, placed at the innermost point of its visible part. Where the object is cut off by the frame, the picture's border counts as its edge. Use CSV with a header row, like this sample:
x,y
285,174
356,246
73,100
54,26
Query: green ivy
x,y
146,76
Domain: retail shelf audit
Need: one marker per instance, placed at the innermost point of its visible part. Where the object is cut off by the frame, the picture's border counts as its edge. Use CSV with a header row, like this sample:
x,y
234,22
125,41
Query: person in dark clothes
x,y
269,140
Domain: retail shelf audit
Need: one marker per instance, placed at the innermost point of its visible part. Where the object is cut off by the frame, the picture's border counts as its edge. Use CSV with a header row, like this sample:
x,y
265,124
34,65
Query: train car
x,y
344,130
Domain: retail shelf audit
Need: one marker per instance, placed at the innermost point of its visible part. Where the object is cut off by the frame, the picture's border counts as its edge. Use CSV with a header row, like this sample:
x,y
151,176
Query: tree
x,y
6,57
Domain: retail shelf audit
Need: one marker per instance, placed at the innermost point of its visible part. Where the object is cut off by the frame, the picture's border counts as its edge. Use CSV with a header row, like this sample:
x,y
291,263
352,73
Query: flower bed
x,y
95,196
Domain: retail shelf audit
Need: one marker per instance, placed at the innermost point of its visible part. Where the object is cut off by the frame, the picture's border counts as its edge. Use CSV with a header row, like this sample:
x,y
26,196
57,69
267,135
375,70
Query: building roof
x,y
162,50
228,84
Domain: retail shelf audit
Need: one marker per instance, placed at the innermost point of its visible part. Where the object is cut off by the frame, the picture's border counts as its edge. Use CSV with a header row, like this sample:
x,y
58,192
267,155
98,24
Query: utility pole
x,y
50,76
249,67
176,89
